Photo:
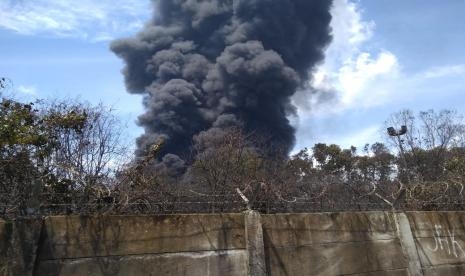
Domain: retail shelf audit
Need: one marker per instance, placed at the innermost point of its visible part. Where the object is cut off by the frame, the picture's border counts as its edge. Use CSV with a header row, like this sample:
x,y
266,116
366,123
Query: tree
x,y
90,153
429,157
49,153
429,136
5,85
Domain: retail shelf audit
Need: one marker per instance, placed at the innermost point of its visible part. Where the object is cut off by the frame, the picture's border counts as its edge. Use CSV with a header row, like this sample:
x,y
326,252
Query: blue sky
x,y
386,55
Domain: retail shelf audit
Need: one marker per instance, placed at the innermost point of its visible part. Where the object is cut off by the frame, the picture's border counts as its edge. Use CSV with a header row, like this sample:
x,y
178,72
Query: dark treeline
x,y
69,157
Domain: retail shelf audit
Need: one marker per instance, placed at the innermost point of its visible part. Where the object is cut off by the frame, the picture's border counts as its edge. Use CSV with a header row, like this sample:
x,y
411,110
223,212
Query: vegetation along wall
x,y
346,243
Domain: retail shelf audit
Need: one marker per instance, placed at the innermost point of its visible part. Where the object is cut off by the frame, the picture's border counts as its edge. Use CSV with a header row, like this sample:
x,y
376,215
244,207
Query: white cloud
x,y
27,89
360,137
361,79
349,32
351,78
355,78
357,137
411,88
443,71
87,19
348,72
364,84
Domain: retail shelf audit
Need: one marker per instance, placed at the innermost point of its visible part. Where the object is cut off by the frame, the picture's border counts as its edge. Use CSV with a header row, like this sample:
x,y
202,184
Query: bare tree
x,y
433,142
91,154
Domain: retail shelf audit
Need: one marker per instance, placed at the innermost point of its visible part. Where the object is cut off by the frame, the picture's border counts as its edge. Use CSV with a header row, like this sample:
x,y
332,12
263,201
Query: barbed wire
x,y
124,200
207,205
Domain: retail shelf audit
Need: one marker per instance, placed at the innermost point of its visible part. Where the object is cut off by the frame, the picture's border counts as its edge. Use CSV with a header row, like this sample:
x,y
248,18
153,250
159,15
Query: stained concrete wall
x,y
18,246
363,243
143,245
333,244
440,241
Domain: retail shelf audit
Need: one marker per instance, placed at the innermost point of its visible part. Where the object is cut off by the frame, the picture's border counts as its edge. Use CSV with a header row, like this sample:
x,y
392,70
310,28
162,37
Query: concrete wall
x,y
440,241
143,245
18,246
364,243
333,244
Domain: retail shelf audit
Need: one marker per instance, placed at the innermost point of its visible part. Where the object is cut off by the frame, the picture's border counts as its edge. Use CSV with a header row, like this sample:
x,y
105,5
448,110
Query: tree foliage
x,y
62,157
50,151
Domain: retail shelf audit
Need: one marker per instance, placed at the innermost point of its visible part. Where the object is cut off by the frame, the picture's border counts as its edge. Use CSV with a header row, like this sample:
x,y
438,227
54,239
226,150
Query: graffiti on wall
x,y
445,240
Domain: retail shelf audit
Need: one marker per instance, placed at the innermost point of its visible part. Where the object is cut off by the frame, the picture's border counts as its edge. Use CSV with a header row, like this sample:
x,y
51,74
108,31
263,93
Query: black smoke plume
x,y
204,65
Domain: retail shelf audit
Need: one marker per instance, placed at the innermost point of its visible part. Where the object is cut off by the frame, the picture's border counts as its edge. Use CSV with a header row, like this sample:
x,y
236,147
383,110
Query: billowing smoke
x,y
204,65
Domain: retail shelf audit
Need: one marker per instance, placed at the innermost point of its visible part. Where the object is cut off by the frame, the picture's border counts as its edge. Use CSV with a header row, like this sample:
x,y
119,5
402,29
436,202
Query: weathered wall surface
x,y
333,244
143,245
18,246
363,243
440,241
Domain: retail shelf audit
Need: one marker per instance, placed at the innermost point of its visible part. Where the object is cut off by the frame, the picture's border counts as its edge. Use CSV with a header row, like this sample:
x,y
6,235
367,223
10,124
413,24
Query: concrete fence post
x,y
254,243
404,232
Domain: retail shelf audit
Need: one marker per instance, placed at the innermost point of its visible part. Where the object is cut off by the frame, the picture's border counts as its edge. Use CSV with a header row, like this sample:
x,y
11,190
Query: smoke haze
x,y
206,65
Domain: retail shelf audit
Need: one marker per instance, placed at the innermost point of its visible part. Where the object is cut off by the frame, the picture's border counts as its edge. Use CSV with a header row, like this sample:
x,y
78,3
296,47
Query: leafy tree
x,y
49,152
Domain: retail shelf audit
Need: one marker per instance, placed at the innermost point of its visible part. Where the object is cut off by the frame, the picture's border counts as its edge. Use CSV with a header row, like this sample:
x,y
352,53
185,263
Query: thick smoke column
x,y
208,64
